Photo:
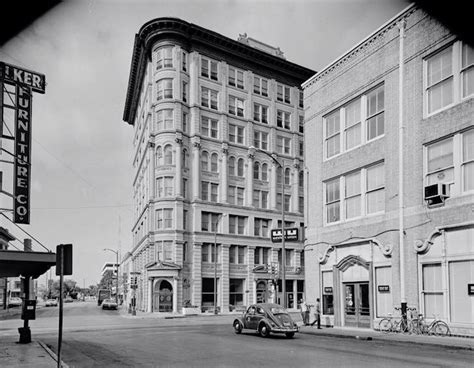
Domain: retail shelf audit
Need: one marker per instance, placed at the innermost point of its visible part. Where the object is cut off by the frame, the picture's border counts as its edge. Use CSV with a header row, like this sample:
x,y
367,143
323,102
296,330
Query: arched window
x,y
301,179
159,155
256,170
214,159
185,158
168,154
287,176
240,167
279,175
264,172
231,165
205,161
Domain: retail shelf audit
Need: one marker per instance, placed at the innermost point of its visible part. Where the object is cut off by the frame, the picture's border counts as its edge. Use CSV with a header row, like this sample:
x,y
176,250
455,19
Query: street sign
x,y
291,234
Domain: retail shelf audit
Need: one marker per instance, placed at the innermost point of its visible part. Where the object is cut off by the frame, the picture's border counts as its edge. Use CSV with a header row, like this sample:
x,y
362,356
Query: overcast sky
x,y
82,150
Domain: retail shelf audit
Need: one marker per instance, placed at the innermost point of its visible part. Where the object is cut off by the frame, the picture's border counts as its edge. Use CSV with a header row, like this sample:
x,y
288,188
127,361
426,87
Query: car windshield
x,y
278,310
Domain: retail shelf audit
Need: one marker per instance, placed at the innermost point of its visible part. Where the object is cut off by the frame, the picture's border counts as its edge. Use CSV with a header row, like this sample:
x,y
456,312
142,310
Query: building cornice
x,y
197,38
366,42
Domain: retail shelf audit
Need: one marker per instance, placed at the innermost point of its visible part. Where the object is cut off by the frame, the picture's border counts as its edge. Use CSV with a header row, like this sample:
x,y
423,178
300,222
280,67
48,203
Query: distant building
x,y
353,151
198,102
108,266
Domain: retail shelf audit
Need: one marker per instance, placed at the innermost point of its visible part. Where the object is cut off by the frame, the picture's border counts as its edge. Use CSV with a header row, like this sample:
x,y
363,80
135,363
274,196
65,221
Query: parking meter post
x,y
25,332
60,330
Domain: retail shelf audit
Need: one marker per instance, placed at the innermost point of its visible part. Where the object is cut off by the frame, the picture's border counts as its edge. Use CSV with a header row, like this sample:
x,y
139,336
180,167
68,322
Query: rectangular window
x,y
236,195
236,293
301,99
164,218
375,189
237,224
261,256
260,140
432,291
353,124
209,98
455,170
236,134
185,220
467,70
283,119
209,191
185,122
208,68
236,106
236,77
165,186
164,119
301,204
260,113
164,89
440,76
353,195
185,92
287,201
283,93
375,113
352,120
164,57
283,145
301,148
209,221
467,165
209,127
184,61
333,201
301,123
261,227
333,134
260,86
260,199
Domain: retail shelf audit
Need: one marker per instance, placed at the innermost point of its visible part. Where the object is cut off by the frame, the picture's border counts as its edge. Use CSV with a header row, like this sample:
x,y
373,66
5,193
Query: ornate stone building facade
x,y
208,112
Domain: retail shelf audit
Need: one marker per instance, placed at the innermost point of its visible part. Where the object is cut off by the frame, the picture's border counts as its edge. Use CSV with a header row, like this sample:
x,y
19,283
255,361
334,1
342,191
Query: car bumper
x,y
284,329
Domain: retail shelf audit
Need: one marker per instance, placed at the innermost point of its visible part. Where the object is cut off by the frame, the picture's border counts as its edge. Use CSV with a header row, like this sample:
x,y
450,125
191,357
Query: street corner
x,y
34,354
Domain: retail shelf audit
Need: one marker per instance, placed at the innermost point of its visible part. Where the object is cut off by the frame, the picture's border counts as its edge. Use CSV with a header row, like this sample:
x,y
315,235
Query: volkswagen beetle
x,y
266,318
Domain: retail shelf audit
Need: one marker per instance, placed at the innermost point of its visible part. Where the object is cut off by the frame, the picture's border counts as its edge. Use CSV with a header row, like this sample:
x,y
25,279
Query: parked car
x,y
266,318
109,304
68,300
51,303
14,301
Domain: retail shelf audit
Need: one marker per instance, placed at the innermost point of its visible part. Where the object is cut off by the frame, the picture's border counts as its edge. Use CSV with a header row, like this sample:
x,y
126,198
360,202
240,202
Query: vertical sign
x,y
22,169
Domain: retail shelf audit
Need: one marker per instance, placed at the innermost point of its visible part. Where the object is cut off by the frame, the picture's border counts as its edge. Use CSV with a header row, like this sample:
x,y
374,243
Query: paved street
x,y
96,338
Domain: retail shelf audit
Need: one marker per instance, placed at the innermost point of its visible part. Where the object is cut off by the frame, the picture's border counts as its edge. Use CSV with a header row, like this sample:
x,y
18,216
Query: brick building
x,y
207,113
393,118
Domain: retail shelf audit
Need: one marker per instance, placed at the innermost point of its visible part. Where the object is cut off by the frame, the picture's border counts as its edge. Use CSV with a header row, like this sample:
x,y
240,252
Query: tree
x,y
69,288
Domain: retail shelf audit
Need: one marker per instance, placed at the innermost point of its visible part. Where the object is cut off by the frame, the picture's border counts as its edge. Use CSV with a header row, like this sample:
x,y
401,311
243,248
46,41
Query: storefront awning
x,y
32,264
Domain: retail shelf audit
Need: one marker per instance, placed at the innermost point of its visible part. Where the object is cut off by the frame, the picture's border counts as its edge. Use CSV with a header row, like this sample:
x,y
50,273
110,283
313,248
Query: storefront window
x,y
328,299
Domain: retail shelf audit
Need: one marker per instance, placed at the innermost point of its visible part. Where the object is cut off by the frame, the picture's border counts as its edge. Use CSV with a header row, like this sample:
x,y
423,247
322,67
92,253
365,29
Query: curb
x,y
52,354
376,338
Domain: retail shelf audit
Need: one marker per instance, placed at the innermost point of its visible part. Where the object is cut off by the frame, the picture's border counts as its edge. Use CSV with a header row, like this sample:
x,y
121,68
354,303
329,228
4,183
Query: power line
x,y
31,236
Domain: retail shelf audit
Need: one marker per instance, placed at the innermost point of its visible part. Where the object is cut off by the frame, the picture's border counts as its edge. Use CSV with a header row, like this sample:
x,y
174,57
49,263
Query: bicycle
x,y
390,324
437,327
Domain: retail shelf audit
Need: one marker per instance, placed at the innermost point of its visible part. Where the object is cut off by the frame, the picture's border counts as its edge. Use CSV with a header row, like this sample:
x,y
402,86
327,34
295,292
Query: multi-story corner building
x,y
390,158
208,112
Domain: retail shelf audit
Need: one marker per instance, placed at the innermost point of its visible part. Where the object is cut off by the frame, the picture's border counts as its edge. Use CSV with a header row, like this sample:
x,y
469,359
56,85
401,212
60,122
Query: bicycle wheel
x,y
440,328
385,325
414,327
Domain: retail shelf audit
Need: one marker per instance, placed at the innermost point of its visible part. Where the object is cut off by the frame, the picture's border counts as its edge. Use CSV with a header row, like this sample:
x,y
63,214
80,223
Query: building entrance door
x,y
163,297
261,292
357,304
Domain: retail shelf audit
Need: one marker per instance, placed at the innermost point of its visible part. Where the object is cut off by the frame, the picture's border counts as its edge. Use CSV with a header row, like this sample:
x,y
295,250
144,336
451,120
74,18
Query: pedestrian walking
x,y
304,312
317,314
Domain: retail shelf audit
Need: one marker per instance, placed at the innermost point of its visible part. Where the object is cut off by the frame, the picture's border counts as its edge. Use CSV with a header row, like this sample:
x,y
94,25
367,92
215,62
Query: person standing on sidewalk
x,y
317,314
304,312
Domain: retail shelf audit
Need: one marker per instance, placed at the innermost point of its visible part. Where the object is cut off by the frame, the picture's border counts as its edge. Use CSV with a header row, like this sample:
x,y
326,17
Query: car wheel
x,y
237,327
264,330
290,335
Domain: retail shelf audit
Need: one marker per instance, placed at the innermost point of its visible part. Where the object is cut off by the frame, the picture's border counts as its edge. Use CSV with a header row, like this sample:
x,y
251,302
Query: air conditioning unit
x,y
436,193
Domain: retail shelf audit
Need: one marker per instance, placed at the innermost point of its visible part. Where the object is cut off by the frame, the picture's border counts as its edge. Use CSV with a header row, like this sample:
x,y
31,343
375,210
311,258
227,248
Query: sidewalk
x,y
32,355
368,334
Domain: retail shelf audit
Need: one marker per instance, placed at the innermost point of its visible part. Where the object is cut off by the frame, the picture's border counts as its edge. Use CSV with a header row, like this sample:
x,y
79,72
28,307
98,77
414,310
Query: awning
x,y
32,264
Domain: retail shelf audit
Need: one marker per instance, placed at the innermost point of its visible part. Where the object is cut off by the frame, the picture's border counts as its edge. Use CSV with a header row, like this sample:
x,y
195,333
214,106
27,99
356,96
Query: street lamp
x,y
117,271
283,250
215,260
